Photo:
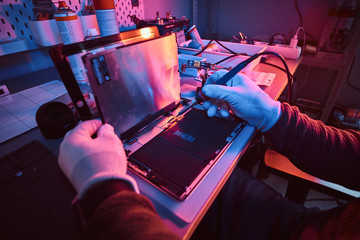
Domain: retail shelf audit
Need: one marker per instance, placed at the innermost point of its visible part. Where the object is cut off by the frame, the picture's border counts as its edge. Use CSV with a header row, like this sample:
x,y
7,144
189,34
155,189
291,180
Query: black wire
x,y
302,25
207,45
244,54
348,77
229,57
282,69
276,34
287,71
299,13
275,66
312,37
225,47
253,57
202,50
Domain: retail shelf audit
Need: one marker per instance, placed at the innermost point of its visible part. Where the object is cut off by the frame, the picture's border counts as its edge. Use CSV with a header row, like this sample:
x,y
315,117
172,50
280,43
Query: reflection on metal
x,y
146,33
143,79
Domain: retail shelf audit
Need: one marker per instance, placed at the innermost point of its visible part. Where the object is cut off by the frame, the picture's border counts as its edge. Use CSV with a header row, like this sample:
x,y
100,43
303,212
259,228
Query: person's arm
x,y
326,152
108,198
114,211
244,98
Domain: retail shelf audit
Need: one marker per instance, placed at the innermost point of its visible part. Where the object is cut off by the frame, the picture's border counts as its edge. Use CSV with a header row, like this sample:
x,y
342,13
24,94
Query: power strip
x,y
283,50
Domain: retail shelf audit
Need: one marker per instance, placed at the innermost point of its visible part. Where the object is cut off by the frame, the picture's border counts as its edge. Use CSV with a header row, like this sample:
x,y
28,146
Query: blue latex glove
x,y
87,161
244,98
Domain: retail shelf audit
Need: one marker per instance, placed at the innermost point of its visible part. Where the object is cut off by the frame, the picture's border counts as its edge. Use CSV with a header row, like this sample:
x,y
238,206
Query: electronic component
x,y
200,97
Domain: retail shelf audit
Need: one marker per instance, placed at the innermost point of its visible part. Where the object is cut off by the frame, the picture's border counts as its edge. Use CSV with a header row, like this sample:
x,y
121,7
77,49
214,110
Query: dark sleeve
x,y
123,214
337,223
325,152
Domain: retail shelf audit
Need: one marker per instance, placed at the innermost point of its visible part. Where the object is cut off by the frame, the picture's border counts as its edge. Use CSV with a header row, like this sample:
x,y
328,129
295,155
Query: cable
x,y
271,42
313,38
200,97
225,47
348,77
202,50
229,57
299,13
280,68
286,69
304,80
294,40
297,32
301,24
244,63
252,58
207,45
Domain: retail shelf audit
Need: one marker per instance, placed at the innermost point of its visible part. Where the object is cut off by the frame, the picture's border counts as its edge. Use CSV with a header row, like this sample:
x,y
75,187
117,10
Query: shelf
x,y
14,46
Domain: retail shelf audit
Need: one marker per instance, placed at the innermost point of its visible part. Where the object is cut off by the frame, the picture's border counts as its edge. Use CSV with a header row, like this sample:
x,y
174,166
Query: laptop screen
x,y
132,84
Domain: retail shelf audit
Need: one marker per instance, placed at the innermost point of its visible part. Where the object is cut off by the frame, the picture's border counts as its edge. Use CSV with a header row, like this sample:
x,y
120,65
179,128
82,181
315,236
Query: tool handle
x,y
200,97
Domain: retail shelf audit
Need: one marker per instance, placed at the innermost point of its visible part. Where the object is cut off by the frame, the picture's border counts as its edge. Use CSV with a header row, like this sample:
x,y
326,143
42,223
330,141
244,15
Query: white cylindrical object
x,y
69,24
89,22
78,68
106,17
195,36
71,31
107,22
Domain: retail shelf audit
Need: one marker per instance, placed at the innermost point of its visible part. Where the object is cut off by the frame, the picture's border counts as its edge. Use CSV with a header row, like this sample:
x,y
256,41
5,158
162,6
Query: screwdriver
x,y
200,97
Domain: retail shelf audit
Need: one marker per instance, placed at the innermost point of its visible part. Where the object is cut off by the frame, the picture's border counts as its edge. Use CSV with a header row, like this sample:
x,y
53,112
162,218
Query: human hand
x,y
86,161
244,98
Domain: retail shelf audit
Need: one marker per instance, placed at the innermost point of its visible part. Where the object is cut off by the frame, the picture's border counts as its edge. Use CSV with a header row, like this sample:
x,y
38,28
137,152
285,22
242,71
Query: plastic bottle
x,y
71,31
69,24
196,42
106,17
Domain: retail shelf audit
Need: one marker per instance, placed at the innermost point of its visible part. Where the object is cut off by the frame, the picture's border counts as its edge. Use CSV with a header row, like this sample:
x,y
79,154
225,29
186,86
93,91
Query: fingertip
x,y
218,74
224,113
206,104
105,129
86,128
224,110
215,76
207,90
211,111
90,124
108,126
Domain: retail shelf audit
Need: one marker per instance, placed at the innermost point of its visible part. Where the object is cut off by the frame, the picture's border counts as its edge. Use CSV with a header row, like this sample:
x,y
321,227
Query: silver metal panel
x,y
132,83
